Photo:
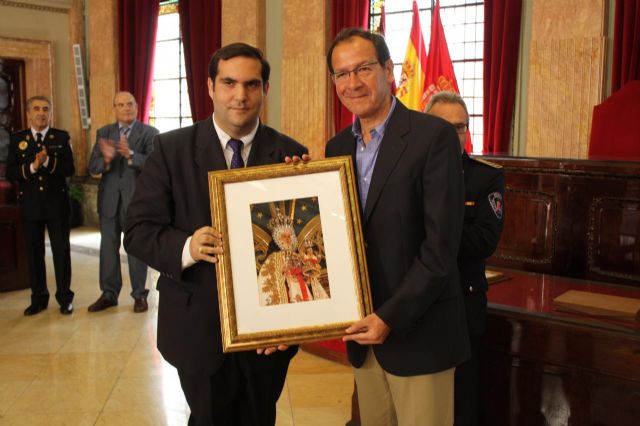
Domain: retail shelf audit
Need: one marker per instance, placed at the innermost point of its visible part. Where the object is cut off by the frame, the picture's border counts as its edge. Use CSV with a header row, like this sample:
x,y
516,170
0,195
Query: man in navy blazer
x,y
411,192
119,154
169,227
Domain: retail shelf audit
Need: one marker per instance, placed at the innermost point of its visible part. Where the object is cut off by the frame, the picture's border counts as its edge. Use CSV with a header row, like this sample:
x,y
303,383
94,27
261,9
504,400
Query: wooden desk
x,y
542,366
14,274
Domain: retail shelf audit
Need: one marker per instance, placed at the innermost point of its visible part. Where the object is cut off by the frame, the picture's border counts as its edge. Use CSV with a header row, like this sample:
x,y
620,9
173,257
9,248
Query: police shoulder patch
x,y
495,201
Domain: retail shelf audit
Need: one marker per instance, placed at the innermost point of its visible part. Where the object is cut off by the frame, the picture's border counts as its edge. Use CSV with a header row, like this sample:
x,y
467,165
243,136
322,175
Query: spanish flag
x,y
412,79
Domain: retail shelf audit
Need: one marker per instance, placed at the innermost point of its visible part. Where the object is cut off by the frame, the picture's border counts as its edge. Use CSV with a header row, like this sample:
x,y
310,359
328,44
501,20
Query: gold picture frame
x,y
301,225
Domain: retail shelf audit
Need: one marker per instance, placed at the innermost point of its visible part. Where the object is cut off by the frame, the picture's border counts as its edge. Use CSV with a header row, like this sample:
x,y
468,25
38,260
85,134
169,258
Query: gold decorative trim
x,y
33,7
232,339
168,9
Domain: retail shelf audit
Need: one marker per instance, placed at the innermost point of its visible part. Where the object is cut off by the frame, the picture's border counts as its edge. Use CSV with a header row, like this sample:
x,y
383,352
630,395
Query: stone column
x,y
78,135
103,62
305,80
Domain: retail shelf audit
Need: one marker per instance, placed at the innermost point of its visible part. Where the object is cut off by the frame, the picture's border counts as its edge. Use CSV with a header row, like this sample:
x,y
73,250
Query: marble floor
x,y
104,368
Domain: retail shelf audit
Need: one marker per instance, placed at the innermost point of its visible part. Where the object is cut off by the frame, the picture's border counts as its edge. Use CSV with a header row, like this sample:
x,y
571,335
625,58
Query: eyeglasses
x,y
461,127
363,71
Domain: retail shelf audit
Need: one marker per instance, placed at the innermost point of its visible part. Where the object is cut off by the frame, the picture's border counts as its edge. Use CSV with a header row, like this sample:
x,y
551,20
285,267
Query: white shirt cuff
x,y
187,260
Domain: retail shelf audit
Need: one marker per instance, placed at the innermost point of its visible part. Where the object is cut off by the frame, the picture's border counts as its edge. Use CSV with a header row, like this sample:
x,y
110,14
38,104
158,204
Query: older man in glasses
x,y
483,216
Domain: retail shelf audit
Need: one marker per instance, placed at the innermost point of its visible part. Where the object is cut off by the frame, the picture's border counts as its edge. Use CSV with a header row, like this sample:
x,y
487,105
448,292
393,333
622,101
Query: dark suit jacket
x,y
412,223
483,218
119,177
43,194
170,203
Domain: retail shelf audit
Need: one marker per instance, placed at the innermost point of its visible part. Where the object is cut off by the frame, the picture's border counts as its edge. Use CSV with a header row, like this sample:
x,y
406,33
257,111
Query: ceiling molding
x,y
55,6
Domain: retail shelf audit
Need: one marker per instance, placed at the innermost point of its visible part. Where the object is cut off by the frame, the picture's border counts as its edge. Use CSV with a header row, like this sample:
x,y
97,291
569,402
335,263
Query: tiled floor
x,y
104,369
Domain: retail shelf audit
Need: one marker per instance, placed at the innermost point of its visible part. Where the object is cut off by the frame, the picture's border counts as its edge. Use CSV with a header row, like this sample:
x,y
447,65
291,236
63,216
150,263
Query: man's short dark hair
x,y
234,50
382,50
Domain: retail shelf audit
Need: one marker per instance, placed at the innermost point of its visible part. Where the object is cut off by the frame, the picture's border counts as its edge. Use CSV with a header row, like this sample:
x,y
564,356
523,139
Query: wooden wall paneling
x,y
530,227
572,218
613,243
13,252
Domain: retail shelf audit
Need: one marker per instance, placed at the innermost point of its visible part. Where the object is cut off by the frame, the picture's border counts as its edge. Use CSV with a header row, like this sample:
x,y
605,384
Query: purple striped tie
x,y
236,160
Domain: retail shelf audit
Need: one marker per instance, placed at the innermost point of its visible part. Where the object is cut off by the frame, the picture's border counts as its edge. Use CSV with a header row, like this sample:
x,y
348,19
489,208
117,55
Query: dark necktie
x,y
236,160
124,131
39,139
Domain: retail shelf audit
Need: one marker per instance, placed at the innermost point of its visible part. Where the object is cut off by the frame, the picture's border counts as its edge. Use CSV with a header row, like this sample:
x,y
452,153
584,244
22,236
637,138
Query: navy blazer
x,y
170,203
483,219
43,194
412,224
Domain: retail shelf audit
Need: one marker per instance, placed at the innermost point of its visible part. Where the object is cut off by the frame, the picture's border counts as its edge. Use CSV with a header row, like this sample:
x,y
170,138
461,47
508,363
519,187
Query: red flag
x,y
412,80
382,25
439,74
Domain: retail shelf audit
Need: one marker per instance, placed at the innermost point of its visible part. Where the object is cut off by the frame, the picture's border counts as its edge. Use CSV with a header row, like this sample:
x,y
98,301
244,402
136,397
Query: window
x,y
170,107
463,22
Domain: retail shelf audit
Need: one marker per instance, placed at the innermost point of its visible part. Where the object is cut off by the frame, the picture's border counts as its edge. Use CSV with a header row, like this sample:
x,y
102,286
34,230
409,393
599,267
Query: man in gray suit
x,y
120,151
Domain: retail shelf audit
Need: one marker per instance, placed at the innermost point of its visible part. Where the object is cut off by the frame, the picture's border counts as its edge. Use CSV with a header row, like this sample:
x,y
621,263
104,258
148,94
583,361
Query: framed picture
x,y
293,268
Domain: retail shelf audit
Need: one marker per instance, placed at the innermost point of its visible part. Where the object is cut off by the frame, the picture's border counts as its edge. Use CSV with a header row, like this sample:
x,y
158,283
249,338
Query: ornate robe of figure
x,y
290,278
281,280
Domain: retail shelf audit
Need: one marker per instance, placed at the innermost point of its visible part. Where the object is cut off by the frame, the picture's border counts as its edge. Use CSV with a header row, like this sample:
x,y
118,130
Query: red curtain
x,y
501,44
200,27
344,14
137,26
626,43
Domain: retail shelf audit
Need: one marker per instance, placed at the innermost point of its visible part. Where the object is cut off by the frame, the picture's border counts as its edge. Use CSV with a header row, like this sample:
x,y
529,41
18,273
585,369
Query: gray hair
x,y
37,98
446,98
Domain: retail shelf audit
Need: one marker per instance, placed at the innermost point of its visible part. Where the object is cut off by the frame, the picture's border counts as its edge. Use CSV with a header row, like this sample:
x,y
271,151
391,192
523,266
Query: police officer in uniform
x,y
39,160
484,212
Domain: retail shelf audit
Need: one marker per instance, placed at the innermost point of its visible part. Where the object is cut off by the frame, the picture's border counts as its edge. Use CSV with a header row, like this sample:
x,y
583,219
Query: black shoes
x,y
34,308
140,304
66,309
102,303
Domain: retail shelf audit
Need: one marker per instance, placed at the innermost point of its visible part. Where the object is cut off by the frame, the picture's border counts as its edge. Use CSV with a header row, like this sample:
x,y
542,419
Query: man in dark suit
x,y
169,227
40,159
483,216
119,153
411,193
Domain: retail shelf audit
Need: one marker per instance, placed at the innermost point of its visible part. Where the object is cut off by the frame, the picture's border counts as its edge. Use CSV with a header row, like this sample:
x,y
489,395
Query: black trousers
x,y
243,392
466,390
58,229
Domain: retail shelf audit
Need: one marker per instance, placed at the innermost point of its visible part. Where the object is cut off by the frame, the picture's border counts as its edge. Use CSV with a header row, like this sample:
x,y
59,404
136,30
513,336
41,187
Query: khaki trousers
x,y
388,400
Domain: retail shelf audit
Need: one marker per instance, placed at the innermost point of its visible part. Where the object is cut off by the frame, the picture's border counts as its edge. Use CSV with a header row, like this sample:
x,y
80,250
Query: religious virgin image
x,y
289,250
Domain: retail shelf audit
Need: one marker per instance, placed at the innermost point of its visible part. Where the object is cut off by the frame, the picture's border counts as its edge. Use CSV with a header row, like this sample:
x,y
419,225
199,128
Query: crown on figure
x,y
279,221
281,228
